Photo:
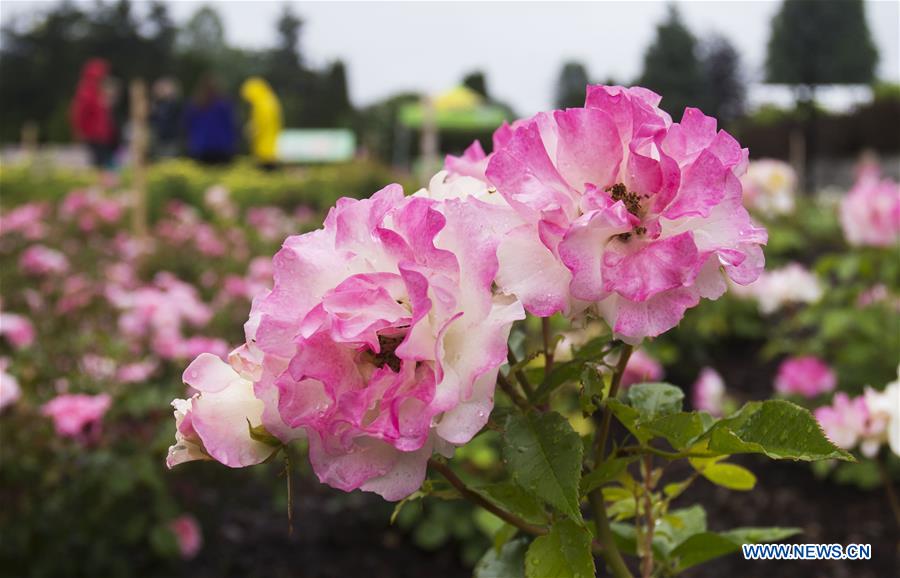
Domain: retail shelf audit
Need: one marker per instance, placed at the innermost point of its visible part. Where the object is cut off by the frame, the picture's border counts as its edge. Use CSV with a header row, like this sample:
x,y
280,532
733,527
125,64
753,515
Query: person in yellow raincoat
x,y
265,121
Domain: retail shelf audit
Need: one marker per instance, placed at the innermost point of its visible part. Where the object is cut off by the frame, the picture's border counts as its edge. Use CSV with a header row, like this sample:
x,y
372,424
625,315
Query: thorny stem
x,y
889,489
290,492
548,353
520,375
610,551
600,440
480,500
510,390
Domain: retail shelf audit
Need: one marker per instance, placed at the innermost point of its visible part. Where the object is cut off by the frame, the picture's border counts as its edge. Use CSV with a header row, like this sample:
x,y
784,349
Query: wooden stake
x,y
139,138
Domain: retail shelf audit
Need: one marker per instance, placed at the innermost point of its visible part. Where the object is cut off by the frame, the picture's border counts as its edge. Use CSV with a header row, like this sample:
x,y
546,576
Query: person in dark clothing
x,y
211,126
165,118
90,116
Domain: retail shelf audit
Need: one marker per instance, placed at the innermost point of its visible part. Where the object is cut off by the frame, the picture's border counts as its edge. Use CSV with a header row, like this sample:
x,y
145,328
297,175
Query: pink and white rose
x,y
622,211
870,213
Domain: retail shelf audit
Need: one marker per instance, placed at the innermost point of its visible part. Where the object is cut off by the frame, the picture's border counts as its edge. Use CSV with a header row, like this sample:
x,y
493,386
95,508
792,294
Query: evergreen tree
x,y
570,87
816,43
725,90
671,66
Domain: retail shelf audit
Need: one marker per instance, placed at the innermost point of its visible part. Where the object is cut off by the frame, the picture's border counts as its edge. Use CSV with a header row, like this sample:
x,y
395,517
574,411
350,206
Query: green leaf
x,y
705,546
592,390
680,429
544,456
570,370
509,562
701,548
262,435
630,418
653,400
751,535
777,428
563,553
506,533
513,498
731,476
560,374
604,473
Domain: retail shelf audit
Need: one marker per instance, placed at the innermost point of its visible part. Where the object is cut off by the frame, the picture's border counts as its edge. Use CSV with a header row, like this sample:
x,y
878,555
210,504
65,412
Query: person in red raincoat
x,y
91,119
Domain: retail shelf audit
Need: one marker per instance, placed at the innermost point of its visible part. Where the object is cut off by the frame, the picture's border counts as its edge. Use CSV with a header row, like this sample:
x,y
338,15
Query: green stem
x,y
548,353
661,453
610,552
511,391
480,500
520,375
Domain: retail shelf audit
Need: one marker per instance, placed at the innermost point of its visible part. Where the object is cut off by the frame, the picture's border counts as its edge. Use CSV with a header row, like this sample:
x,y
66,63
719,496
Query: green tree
x,y
672,68
816,43
570,87
725,90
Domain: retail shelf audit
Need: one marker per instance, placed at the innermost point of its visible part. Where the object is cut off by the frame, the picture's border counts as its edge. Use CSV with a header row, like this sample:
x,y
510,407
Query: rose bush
x,y
382,338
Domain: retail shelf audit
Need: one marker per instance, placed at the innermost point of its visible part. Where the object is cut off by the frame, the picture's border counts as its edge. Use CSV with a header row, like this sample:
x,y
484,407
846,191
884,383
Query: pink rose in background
x,y
17,329
188,535
77,292
90,208
27,220
136,372
42,260
805,376
77,415
194,346
844,422
10,392
641,368
870,213
623,211
709,392
98,367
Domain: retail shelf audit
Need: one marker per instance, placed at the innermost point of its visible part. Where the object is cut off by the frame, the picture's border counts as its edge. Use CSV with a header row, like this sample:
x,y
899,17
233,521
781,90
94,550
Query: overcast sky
x,y
394,46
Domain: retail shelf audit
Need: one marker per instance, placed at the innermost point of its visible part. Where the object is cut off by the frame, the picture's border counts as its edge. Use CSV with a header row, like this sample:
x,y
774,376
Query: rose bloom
x,y
709,392
792,283
620,210
769,187
870,213
136,372
188,535
641,368
17,329
844,422
380,343
42,260
27,219
805,376
10,392
77,415
884,422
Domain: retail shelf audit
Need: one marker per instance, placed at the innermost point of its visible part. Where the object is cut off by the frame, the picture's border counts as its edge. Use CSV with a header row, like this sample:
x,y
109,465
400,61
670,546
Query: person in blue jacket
x,y
211,126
